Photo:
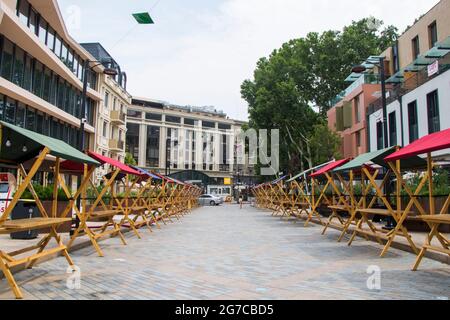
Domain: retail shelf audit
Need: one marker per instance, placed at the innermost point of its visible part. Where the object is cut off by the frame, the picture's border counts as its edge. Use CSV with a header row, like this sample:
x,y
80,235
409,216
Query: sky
x,y
199,52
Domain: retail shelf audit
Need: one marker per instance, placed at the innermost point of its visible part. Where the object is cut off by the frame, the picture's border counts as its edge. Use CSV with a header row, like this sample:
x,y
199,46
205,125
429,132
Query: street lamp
x,y
382,74
168,159
107,71
81,138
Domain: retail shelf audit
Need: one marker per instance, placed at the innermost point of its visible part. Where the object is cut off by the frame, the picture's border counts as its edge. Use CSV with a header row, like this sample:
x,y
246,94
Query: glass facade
x,y
47,35
24,116
153,142
433,112
132,140
392,129
413,122
19,67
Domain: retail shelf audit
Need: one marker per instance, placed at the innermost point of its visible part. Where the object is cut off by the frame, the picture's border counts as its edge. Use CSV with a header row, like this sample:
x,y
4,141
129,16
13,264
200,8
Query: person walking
x,y
241,201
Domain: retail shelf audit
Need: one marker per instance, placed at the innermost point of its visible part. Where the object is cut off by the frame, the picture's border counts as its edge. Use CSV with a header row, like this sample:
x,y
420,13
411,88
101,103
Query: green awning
x,y
143,18
377,157
367,158
24,145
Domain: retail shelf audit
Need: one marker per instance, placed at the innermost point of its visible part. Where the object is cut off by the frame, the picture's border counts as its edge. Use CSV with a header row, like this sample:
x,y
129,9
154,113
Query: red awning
x,y
433,142
115,163
330,167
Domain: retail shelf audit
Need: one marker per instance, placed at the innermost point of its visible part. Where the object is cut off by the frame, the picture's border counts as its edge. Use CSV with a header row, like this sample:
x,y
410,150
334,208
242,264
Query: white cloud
x,y
201,56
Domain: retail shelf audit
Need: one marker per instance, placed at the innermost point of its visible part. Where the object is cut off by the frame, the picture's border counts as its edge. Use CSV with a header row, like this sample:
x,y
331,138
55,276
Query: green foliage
x,y
129,160
91,195
45,193
325,144
292,89
441,185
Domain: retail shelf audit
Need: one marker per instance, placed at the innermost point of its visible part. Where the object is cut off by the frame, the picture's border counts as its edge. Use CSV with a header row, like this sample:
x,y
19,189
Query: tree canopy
x,y
293,88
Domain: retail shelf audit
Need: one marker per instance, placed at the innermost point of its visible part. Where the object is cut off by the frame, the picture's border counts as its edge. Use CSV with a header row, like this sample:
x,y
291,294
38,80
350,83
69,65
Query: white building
x,y
418,103
194,143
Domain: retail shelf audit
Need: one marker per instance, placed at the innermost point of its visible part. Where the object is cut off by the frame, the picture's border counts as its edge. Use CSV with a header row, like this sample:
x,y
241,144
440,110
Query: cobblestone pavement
x,y
227,253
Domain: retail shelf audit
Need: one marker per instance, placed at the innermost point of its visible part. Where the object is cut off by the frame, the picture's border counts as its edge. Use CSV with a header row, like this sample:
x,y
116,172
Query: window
x,y
415,47
392,129
189,122
380,141
105,129
57,45
153,116
47,84
70,60
10,111
32,22
42,30
358,139
208,124
153,142
2,106
173,119
413,122
357,110
7,59
433,34
23,11
39,123
31,120
433,112
64,52
28,73
223,126
20,115
132,139
134,114
38,79
106,102
19,65
51,38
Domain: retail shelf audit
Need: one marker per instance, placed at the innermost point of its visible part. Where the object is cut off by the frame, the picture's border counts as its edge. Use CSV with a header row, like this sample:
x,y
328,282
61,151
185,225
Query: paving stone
x,y
227,253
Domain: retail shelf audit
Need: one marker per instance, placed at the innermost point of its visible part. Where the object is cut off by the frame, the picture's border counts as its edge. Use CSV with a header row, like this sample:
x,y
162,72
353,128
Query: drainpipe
x,y
400,100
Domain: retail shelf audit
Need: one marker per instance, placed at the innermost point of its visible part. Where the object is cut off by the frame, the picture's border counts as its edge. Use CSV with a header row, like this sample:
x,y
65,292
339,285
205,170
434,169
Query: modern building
x,y
110,126
41,72
195,144
419,96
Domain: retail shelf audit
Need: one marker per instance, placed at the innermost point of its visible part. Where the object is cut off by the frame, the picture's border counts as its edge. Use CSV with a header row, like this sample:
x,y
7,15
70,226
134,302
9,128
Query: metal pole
x,y
83,106
384,102
81,136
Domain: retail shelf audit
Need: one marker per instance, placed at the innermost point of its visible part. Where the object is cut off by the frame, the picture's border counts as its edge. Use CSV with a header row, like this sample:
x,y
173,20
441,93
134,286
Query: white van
x,y
7,188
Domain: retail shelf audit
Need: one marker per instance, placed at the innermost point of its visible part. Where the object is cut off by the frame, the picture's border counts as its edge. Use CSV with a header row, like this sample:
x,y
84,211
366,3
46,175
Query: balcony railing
x,y
364,79
116,145
117,116
418,79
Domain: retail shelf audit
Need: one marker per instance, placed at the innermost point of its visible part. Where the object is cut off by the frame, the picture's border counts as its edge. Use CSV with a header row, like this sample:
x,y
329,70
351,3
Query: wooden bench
x,y
96,215
434,221
11,226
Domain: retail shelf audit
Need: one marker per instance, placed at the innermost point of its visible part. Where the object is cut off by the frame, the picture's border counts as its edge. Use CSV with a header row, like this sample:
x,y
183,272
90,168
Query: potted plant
x,y
45,194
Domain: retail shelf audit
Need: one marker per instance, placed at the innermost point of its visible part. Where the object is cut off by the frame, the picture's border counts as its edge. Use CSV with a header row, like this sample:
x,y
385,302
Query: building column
x,y
142,145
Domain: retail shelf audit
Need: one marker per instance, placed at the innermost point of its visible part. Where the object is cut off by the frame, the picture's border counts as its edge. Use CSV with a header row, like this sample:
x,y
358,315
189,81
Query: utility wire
x,y
133,28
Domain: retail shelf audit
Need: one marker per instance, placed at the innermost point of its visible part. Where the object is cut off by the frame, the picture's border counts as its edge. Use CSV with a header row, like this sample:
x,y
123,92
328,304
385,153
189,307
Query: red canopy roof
x,y
330,167
115,163
433,142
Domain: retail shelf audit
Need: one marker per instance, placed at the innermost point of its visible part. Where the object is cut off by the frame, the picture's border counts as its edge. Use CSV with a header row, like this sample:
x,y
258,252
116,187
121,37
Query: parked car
x,y
211,200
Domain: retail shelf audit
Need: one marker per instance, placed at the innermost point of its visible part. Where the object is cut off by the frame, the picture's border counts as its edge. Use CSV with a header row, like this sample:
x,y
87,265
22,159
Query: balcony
x,y
117,117
363,79
116,145
410,81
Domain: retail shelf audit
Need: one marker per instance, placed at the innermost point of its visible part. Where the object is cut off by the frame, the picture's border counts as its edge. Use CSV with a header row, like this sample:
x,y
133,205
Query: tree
x,y
129,160
292,89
